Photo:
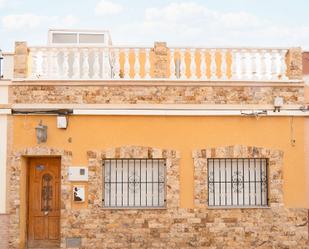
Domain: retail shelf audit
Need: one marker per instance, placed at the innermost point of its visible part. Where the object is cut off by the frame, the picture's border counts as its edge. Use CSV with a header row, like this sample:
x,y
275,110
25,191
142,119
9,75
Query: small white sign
x,y
79,193
78,174
62,122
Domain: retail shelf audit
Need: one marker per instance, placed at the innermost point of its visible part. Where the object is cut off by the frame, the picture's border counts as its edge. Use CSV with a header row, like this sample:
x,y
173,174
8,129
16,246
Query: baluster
x,y
147,63
96,64
254,73
106,64
65,64
283,65
85,64
34,66
116,67
223,65
136,64
192,64
54,64
203,65
243,69
234,65
44,63
213,65
263,65
274,64
183,74
126,64
76,64
172,64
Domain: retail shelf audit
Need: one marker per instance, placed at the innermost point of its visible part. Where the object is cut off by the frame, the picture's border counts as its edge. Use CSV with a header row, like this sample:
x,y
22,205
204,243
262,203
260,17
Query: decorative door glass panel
x,y
47,193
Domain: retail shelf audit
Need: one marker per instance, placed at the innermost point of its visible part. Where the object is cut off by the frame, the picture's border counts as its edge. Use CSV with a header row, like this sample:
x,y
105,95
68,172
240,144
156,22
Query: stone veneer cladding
x,y
4,230
155,94
173,227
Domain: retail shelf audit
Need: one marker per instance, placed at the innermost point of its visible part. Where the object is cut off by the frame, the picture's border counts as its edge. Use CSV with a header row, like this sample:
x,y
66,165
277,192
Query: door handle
x,y
46,213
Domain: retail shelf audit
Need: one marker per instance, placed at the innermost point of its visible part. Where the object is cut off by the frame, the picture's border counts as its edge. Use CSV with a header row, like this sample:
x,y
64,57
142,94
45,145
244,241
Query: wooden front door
x,y
44,202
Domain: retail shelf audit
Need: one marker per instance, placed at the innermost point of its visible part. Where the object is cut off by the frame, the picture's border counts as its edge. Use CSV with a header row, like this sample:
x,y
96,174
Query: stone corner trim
x,y
275,164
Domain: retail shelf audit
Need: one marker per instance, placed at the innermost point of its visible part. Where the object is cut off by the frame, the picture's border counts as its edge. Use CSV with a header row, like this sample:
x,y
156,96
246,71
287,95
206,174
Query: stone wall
x,y
4,231
173,227
154,94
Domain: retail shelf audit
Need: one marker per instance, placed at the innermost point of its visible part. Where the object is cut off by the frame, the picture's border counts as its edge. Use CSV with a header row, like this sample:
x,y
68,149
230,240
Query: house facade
x,y
152,147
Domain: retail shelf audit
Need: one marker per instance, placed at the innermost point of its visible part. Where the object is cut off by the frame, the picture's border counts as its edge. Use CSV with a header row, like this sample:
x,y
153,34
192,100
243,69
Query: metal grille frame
x,y
106,203
237,181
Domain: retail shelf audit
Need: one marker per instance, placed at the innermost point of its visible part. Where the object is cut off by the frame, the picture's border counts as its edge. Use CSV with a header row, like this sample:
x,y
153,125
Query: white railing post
x,y
274,64
147,63
126,64
243,66
283,67
106,66
85,64
192,64
116,67
65,64
136,64
76,64
223,65
96,64
54,63
213,65
203,65
254,73
172,64
263,74
234,65
183,74
34,65
45,63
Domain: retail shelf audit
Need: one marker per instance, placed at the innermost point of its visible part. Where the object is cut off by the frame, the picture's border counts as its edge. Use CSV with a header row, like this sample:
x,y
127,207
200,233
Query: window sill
x,y
238,207
134,208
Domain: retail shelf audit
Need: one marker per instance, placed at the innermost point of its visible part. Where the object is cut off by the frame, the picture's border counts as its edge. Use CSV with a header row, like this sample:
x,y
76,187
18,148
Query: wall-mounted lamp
x,y
41,133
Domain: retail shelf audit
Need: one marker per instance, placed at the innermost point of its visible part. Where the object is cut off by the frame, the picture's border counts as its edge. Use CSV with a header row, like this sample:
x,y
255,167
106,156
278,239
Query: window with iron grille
x,y
237,182
134,183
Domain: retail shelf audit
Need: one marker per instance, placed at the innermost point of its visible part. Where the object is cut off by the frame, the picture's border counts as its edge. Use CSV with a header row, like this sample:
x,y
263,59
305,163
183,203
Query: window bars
x,y
237,182
134,183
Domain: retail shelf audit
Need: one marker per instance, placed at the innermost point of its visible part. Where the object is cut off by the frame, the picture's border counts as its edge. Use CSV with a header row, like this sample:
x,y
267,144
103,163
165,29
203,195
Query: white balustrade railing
x,y
228,64
211,64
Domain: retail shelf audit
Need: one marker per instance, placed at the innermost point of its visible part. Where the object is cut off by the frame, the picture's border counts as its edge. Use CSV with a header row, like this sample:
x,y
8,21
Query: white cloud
x,y
105,7
2,3
69,21
198,17
190,23
23,21
29,21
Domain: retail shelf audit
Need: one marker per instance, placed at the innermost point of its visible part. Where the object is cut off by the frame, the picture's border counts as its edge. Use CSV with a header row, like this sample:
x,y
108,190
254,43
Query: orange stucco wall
x,y
306,136
180,133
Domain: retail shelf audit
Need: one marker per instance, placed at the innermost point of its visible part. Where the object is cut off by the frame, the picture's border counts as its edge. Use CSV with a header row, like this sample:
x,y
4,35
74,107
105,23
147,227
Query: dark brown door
x,y
44,202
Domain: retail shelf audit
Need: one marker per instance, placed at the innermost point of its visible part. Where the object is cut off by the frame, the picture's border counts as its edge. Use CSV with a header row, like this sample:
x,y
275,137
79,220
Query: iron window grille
x,y
134,183
240,182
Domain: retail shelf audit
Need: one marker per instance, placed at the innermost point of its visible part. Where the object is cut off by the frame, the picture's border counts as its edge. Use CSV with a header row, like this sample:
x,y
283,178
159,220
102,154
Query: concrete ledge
x,y
153,82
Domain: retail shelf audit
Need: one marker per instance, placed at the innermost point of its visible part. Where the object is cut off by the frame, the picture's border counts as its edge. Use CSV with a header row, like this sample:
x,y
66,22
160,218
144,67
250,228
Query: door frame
x,y
24,195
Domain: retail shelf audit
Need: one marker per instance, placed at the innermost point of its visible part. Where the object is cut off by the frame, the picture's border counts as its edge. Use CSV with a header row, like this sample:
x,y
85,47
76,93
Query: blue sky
x,y
196,22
